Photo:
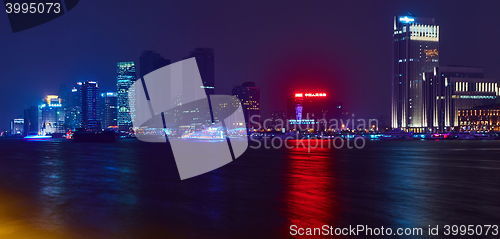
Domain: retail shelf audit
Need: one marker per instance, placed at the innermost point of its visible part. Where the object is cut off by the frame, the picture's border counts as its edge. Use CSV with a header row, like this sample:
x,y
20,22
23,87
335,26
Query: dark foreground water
x,y
131,189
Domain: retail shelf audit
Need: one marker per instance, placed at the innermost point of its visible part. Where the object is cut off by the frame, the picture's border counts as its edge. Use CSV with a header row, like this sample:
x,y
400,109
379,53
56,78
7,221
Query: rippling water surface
x,y
131,189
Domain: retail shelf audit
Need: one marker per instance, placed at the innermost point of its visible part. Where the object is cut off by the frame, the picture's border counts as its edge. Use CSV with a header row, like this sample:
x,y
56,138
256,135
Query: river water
x,y
131,189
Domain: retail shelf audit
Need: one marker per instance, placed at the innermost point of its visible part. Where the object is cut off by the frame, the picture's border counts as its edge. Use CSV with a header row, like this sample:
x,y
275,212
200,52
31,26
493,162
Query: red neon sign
x,y
310,94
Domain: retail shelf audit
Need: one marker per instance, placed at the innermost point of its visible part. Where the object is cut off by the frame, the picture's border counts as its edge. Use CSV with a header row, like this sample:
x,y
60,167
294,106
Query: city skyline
x,y
283,66
126,72
428,81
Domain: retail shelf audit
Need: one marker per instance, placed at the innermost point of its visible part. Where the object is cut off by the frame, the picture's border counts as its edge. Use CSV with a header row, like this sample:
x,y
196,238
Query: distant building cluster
x,y
85,107
427,97
80,108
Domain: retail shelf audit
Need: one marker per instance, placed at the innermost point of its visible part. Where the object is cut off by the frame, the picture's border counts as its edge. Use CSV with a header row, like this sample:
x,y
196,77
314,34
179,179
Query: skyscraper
x,y
249,95
51,116
109,110
64,95
415,52
150,61
90,106
73,119
125,77
31,121
75,97
205,60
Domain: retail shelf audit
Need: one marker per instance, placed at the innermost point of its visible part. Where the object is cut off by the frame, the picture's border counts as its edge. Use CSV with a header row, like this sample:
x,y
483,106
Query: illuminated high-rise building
x,y
109,110
73,119
51,116
90,106
415,52
249,96
205,60
75,96
125,77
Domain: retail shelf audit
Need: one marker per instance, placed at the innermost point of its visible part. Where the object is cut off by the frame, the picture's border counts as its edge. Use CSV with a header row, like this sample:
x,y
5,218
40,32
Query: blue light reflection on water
x,y
131,189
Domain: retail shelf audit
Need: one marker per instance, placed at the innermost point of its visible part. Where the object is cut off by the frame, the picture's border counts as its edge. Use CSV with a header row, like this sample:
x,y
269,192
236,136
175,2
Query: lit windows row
x,y
474,97
487,87
479,112
461,86
411,59
423,30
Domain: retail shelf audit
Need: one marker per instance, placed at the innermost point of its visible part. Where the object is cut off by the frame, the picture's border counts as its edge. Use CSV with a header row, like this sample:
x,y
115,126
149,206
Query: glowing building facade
x,y
109,110
125,77
17,126
454,88
249,95
309,108
90,106
51,116
482,118
415,52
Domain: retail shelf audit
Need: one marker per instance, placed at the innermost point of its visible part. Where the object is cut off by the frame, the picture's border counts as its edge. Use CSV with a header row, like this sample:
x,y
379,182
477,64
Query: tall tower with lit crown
x,y
415,52
124,79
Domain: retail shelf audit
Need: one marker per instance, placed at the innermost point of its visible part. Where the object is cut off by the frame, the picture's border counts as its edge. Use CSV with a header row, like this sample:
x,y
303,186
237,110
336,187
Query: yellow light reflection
x,y
15,219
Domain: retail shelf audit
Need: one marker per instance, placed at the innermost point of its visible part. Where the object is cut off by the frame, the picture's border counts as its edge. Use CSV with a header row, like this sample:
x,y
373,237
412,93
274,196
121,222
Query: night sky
x,y
342,48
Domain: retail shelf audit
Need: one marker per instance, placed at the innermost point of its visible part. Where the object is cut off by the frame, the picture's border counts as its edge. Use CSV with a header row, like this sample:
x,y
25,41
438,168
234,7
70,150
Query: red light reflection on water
x,y
311,196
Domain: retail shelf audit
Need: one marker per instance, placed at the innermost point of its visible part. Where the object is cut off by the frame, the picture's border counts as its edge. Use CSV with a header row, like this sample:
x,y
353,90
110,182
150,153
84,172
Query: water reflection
x,y
406,191
311,196
103,182
52,189
215,189
132,189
